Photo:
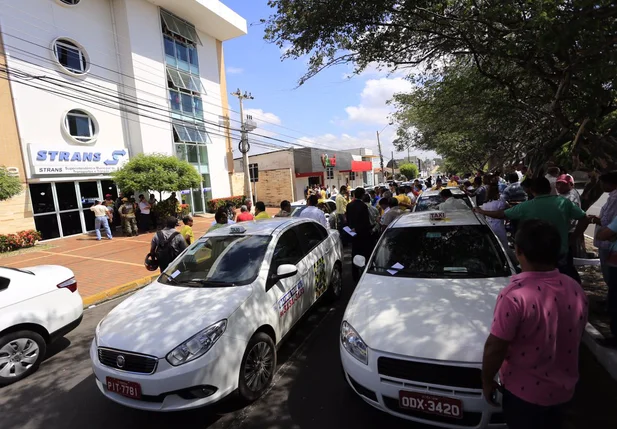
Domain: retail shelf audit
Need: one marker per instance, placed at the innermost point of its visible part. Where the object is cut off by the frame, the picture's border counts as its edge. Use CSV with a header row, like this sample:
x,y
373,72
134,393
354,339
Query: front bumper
x,y
165,389
382,392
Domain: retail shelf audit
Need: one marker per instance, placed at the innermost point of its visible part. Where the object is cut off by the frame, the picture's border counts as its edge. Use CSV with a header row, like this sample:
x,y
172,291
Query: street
x,y
309,390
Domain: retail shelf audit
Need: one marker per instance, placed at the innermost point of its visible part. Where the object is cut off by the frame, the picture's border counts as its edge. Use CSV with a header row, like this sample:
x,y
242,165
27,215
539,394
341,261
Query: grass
x,y
36,248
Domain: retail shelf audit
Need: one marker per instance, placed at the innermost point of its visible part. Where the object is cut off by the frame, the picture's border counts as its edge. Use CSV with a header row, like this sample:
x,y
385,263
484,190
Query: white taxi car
x,y
413,333
430,200
211,323
37,306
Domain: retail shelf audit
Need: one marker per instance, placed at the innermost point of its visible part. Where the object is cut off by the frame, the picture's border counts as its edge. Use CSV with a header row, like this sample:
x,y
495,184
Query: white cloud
x,y
235,70
373,108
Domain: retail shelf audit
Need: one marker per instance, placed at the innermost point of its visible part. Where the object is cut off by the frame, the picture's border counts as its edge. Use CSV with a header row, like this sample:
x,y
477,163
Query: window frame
x,y
71,45
273,268
305,242
175,25
93,126
329,173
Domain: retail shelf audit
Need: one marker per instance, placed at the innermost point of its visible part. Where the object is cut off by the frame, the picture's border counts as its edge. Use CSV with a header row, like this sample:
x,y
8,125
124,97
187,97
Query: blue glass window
x,y
170,51
193,60
187,104
199,107
182,54
174,100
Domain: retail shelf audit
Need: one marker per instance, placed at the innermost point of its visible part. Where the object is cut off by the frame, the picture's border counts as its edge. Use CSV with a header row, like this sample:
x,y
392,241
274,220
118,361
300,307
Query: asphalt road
x,y
309,391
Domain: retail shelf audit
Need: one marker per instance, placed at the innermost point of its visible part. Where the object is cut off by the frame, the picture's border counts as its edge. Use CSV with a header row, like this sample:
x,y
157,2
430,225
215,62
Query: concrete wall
x,y
16,214
237,184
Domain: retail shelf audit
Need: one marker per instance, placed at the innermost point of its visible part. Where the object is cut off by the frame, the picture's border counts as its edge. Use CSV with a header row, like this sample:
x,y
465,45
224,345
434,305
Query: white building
x,y
95,82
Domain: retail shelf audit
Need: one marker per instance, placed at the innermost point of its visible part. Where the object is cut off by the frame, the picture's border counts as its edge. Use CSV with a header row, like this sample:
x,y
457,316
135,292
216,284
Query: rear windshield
x,y
219,261
440,252
432,202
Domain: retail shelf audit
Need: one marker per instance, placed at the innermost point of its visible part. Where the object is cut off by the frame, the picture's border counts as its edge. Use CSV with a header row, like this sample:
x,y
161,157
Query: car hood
x,y
442,319
160,317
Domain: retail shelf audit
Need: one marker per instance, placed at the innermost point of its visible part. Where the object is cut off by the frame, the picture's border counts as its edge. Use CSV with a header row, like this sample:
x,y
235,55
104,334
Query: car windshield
x,y
219,262
432,202
469,251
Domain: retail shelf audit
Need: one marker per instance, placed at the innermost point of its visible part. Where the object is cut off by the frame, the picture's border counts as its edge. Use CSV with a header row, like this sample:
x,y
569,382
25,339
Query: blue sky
x,y
329,110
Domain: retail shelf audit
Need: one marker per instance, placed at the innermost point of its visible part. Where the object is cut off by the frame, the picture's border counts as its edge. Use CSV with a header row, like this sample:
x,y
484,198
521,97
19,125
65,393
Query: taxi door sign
x,y
290,298
321,283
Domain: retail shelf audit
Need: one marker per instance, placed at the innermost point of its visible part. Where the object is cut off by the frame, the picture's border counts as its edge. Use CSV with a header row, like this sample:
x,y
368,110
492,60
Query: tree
x,y
156,172
553,59
9,185
410,171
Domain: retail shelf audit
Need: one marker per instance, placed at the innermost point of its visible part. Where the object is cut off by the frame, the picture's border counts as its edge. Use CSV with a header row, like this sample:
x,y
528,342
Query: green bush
x,y
213,205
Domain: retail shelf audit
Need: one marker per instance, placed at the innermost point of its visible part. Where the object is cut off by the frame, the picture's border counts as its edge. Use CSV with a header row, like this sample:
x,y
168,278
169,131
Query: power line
x,y
261,119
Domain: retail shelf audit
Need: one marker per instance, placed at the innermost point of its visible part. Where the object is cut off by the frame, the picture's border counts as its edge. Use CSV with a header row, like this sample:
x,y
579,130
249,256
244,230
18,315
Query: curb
x,y
118,291
607,357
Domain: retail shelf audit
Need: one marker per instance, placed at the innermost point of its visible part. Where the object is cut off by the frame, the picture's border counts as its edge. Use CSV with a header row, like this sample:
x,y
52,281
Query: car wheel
x,y
336,283
258,366
21,354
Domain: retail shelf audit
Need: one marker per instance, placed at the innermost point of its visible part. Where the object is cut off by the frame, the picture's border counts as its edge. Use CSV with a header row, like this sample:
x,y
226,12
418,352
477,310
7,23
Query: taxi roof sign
x,y
237,229
437,215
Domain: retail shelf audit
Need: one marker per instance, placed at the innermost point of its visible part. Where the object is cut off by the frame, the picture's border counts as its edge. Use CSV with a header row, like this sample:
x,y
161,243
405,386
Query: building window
x,y
329,173
352,176
70,56
80,126
185,105
181,80
190,134
179,27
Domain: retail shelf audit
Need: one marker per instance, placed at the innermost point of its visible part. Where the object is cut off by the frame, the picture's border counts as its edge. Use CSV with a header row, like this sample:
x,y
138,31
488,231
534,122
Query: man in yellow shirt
x,y
260,211
323,193
438,185
341,208
452,183
403,200
187,230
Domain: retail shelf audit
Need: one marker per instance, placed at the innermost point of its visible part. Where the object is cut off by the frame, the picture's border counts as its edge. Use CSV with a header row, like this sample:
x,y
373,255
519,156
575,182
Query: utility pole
x,y
383,173
244,143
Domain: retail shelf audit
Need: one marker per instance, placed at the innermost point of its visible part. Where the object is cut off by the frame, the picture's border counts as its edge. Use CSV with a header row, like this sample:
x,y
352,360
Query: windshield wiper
x,y
408,272
204,282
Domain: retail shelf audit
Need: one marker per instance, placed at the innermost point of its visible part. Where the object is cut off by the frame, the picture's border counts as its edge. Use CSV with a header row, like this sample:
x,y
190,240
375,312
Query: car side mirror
x,y
359,261
285,271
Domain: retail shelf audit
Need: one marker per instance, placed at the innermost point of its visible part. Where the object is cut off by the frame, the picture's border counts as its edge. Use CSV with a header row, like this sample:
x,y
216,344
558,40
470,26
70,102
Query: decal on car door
x,y
290,298
321,283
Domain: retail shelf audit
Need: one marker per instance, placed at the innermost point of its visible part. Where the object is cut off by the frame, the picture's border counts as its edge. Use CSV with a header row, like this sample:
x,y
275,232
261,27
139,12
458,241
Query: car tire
x,y
257,368
335,289
21,353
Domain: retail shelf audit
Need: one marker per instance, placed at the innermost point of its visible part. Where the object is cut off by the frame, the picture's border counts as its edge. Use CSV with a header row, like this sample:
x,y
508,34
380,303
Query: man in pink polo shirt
x,y
536,333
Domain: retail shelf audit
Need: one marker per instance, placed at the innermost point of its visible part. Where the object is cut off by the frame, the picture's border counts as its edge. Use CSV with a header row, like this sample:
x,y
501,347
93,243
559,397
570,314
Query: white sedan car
x,y
37,305
430,200
413,333
211,323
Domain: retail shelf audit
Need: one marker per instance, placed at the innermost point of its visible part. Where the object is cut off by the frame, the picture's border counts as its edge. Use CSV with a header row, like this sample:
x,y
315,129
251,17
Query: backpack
x,y
165,253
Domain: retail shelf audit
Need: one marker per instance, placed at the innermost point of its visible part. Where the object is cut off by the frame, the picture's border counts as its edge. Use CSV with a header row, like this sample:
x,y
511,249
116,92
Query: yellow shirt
x,y
341,204
323,194
262,215
453,184
404,199
434,188
187,231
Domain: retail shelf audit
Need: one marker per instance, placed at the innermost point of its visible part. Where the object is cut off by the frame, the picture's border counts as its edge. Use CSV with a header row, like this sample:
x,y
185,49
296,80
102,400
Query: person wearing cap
x,y
565,188
129,220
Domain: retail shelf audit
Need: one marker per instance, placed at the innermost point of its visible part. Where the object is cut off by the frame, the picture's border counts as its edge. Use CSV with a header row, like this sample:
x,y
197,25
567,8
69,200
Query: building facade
x,y
285,174
96,82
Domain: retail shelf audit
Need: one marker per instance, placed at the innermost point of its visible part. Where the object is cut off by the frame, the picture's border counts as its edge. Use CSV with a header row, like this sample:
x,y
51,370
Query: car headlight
x,y
197,345
353,343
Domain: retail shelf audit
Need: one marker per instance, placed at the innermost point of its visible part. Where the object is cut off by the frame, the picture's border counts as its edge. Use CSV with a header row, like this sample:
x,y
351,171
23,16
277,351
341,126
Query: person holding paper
x,y
359,221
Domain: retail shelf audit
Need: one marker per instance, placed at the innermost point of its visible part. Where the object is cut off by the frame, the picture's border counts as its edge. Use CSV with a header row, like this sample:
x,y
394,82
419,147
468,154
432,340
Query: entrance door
x,y
44,210
89,192
68,207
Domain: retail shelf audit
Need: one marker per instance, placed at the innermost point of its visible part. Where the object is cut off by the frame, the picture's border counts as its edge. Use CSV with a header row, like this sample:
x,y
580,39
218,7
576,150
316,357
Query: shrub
x,y
21,240
236,200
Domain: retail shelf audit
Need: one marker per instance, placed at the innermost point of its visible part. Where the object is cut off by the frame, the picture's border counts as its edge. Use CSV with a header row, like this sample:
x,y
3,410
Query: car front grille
x,y
443,375
127,361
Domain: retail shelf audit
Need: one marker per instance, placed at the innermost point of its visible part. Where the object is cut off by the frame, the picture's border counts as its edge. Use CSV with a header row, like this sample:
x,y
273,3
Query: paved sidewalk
x,y
105,268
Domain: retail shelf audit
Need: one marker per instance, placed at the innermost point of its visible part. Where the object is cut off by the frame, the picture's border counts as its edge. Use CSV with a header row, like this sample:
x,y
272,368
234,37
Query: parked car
x,y
211,323
37,306
413,333
430,200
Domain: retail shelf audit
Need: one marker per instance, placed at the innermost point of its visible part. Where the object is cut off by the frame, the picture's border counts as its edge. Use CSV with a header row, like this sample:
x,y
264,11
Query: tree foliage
x,y
555,60
156,172
409,170
9,185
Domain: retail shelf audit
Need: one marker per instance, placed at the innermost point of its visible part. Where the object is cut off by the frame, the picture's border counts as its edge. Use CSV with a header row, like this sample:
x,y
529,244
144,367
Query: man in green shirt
x,y
554,209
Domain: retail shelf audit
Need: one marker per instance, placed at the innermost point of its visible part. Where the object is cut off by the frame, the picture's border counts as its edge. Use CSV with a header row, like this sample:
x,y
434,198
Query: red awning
x,y
357,166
